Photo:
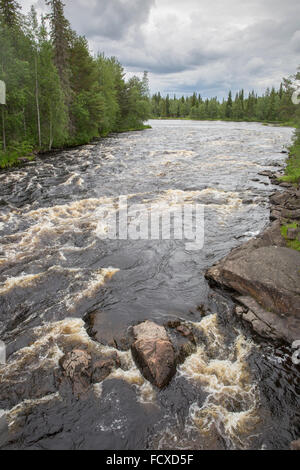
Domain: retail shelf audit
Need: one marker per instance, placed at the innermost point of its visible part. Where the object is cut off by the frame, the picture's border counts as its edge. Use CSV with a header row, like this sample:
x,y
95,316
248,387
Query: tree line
x,y
58,93
273,106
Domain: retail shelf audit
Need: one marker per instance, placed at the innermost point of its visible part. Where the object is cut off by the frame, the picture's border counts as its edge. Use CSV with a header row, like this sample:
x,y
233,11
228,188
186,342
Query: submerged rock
x,y
154,353
183,341
103,367
101,330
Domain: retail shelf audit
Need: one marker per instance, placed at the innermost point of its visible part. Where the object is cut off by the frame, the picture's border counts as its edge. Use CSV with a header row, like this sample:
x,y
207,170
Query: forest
x,y
61,95
57,93
272,106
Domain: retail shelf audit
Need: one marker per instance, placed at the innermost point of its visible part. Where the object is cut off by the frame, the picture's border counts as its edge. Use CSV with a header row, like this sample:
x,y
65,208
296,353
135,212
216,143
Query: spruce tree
x,y
61,36
228,111
9,12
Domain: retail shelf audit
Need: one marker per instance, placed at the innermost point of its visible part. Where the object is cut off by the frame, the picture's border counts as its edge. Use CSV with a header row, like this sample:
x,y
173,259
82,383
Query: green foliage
x,y
294,244
272,106
292,171
14,153
58,94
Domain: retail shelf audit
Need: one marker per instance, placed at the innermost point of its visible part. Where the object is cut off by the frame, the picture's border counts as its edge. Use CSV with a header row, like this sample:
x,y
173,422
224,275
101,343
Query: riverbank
x,y
263,274
265,123
22,153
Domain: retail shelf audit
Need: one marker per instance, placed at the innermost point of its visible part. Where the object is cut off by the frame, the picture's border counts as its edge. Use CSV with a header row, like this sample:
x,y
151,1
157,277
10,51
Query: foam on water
x,y
232,402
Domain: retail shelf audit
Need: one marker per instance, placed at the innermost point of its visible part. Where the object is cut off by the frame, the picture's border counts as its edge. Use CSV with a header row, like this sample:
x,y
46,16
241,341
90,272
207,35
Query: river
x,y
236,391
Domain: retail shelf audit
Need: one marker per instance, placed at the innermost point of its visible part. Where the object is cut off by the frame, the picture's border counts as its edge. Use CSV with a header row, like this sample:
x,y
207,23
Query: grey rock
x,y
3,428
270,275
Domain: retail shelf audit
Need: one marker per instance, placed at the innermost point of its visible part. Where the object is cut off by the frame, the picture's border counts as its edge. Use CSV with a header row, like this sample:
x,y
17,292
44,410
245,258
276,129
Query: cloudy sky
x,y
207,46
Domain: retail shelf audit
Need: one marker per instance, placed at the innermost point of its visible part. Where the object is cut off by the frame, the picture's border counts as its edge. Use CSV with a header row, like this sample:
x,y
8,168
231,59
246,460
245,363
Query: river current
x,y
236,391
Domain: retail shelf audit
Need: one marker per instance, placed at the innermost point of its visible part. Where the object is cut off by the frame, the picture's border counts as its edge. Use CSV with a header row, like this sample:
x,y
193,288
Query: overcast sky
x,y
207,46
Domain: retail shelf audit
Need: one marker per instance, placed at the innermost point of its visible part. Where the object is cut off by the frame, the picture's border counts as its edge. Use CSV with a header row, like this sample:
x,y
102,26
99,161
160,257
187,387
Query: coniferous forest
x,y
57,93
60,95
272,106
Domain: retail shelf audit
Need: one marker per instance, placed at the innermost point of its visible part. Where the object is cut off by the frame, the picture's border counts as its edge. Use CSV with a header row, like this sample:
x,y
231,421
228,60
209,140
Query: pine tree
x,y
228,111
61,36
35,44
9,12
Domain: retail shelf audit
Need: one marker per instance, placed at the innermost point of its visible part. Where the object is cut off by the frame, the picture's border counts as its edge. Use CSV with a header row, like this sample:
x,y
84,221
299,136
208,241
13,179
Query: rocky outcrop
x,y
264,275
154,353
80,370
269,280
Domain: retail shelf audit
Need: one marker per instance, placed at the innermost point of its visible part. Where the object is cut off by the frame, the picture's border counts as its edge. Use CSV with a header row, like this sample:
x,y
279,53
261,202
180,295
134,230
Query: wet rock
x,y
280,198
99,328
267,173
76,366
154,353
271,277
284,184
293,204
185,332
268,324
101,368
272,236
3,428
292,233
295,445
239,311
183,342
26,383
291,214
275,214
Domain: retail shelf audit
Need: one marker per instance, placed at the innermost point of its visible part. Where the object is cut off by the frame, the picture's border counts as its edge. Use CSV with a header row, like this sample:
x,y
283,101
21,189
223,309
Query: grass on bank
x,y
295,244
264,123
292,171
14,153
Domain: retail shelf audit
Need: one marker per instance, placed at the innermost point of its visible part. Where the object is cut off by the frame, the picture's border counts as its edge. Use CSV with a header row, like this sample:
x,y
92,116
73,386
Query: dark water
x,y
56,267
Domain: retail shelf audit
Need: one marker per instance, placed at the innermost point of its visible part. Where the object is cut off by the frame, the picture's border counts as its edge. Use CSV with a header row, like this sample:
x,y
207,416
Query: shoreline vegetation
x,y
24,153
59,95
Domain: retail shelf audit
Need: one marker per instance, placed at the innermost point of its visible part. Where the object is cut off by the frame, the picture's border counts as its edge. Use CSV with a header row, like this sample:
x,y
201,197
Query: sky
x,y
206,46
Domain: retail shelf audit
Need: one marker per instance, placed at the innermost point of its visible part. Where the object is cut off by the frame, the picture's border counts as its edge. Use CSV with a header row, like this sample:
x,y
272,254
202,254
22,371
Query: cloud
x,y
195,45
108,18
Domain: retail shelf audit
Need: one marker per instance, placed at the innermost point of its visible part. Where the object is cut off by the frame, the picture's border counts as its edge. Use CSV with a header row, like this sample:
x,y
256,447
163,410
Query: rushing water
x,y
235,391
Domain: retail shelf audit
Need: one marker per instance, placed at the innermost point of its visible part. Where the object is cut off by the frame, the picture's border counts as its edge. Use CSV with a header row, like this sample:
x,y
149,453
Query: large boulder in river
x,y
271,276
76,366
154,353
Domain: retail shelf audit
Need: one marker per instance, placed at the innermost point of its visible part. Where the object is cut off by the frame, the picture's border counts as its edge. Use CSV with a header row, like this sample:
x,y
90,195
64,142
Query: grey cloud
x,y
195,45
107,18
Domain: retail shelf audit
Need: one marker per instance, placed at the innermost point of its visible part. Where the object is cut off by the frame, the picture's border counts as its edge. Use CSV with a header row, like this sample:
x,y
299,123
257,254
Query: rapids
x,y
56,267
